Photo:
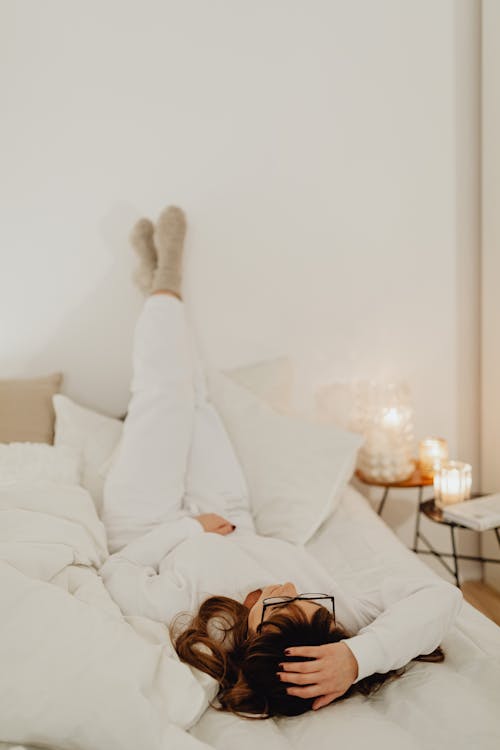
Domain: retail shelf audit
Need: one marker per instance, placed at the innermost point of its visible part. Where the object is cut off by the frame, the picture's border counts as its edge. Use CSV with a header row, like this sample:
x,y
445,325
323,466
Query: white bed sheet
x,y
432,707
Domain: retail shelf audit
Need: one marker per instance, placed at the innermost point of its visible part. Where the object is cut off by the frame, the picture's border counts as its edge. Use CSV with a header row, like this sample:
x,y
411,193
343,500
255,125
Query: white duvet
x,y
74,673
448,706
78,675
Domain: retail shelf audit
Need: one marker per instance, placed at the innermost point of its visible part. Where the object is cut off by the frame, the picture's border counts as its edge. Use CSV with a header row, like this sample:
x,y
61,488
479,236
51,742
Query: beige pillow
x,y
26,409
270,379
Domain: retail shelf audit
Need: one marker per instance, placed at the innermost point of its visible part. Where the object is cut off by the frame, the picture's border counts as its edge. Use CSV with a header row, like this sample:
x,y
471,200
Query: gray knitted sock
x,y
169,242
141,239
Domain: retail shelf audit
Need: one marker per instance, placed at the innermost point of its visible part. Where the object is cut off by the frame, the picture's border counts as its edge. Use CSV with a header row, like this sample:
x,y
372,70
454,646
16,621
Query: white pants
x,y
175,456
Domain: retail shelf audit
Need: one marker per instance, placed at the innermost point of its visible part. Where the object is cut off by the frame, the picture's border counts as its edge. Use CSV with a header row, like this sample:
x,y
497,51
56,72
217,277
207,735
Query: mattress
x,y
431,707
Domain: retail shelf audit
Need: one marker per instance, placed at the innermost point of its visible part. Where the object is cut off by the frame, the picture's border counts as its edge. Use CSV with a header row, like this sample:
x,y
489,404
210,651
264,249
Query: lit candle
x,y
431,452
452,483
385,417
392,417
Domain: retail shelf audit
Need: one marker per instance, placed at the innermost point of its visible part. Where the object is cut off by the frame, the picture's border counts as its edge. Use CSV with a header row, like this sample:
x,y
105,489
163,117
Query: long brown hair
x,y
217,641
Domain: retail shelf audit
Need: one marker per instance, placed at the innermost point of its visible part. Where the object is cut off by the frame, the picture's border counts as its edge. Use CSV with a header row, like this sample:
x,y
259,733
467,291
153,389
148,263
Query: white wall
x,y
490,371
317,151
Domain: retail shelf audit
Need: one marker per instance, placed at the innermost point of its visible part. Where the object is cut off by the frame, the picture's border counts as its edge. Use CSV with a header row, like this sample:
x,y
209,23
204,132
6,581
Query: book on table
x,y
479,514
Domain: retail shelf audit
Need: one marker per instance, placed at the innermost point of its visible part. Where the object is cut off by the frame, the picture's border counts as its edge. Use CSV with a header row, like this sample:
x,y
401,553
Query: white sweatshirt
x,y
176,566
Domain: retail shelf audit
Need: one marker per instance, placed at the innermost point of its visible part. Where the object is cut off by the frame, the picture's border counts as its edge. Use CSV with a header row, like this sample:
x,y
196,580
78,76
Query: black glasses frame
x,y
314,598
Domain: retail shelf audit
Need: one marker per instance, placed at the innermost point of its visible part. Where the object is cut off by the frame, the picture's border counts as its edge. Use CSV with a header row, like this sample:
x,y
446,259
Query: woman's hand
x,y
215,524
329,676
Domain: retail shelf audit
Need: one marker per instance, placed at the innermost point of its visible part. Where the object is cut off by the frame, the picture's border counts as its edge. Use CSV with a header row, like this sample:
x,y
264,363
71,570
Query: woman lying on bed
x,y
178,518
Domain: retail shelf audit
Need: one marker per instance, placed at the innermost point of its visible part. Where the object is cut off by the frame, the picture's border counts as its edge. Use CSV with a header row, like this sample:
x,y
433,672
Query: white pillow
x,y
21,461
296,469
91,435
96,437
271,380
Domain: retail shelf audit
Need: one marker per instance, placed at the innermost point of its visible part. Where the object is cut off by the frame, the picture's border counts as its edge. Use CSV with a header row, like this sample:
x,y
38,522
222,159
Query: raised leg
x,y
215,482
146,483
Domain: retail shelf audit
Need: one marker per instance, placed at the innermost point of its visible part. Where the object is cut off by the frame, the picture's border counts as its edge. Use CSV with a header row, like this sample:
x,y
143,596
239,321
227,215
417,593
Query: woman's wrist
x,y
352,660
367,652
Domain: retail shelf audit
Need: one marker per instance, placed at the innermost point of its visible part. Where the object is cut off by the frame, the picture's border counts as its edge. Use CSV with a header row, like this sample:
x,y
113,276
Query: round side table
x,y
415,481
433,513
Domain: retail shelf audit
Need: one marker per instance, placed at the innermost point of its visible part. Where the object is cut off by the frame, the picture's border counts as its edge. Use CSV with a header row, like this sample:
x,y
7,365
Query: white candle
x,y
432,452
392,417
452,483
385,417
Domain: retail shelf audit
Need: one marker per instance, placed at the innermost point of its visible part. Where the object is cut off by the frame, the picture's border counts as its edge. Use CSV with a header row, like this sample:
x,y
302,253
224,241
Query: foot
x,y
141,239
169,242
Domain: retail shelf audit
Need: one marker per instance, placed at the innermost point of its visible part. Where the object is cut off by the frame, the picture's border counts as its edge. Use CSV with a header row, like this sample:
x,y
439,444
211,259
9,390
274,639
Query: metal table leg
x,y
455,560
384,498
417,520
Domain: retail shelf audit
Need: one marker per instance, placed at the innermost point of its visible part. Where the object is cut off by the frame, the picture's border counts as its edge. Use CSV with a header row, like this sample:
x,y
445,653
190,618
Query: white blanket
x,y
75,674
448,706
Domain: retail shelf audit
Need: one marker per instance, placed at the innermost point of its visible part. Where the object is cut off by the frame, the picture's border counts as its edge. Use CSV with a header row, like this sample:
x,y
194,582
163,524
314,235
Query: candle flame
x,y
392,417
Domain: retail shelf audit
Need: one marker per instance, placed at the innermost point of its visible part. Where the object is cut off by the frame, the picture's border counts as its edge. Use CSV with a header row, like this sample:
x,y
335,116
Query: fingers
x,y
301,666
225,528
314,652
311,691
215,524
299,679
324,700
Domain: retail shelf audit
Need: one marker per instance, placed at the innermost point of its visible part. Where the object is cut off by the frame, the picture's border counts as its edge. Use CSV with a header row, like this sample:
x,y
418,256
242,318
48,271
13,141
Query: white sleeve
x,y
406,618
133,579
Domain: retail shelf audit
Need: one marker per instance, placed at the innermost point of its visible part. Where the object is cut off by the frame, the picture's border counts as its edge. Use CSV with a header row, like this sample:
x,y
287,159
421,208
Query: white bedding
x,y
453,705
76,674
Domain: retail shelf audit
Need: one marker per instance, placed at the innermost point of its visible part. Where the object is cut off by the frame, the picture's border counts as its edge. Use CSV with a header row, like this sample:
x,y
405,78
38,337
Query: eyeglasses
x,y
275,602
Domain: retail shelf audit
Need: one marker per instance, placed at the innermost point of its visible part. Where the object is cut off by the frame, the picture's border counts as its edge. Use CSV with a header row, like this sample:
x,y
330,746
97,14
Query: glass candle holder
x,y
384,414
432,452
452,483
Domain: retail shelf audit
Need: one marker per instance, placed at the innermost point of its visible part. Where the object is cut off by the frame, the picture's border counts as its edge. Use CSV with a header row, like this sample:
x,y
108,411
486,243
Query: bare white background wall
x,y
490,371
318,151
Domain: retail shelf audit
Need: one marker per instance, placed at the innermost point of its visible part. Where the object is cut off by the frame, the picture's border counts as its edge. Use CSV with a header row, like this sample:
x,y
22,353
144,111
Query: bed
x,y
78,675
88,673
433,706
